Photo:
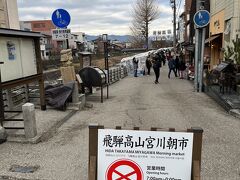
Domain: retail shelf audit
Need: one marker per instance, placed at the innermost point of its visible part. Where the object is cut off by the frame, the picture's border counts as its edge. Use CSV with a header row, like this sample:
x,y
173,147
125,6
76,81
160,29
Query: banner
x,y
144,155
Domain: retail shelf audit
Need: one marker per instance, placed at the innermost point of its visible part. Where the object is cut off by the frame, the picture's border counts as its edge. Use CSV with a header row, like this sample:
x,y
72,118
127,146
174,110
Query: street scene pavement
x,y
133,102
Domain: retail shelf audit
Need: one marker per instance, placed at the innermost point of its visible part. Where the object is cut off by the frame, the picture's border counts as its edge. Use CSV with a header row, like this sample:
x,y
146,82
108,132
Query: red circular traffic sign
x,y
133,168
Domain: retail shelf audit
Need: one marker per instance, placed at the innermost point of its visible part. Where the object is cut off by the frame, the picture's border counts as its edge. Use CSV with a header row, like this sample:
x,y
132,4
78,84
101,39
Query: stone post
x,y
3,135
29,117
75,95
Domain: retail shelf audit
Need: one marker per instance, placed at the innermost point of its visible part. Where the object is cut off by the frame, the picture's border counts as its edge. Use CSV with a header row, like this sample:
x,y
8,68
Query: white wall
x,y
9,14
13,14
24,62
3,15
25,26
231,12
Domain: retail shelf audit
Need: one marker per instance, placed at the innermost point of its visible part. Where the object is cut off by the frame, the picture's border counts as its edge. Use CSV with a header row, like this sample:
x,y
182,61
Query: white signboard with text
x,y
144,155
61,34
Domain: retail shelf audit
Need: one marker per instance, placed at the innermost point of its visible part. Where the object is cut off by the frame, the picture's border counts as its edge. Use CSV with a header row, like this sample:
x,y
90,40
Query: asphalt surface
x,y
134,102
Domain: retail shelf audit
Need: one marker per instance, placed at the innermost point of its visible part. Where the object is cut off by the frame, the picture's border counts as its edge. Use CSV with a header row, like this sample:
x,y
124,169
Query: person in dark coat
x,y
156,67
163,58
172,67
135,66
182,68
177,61
148,64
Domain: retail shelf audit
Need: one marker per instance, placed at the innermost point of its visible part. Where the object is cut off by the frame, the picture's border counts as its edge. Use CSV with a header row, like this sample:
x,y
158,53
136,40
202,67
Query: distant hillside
x,y
120,38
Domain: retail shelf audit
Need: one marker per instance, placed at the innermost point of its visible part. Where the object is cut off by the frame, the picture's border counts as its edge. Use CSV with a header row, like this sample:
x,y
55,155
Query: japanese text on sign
x,y
61,34
144,155
149,142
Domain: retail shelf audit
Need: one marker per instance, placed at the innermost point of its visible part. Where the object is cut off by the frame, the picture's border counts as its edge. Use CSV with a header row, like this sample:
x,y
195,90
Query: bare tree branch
x,y
144,12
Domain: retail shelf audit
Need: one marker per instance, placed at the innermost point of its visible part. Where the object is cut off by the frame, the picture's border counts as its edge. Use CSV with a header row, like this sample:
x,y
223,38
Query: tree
x,y
233,52
144,12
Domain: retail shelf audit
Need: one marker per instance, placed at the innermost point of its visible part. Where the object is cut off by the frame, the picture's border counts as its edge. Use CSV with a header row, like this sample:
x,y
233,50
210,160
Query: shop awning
x,y
211,38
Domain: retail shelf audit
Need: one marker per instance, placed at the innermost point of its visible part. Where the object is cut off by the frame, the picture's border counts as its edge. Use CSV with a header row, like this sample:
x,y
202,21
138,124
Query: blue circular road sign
x,y
61,18
201,18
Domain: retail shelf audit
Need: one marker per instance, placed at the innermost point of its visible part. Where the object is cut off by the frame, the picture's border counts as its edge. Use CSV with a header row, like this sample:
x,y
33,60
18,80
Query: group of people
x,y
156,61
177,66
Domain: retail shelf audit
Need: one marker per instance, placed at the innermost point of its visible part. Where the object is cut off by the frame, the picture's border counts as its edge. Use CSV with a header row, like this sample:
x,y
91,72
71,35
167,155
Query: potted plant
x,y
228,54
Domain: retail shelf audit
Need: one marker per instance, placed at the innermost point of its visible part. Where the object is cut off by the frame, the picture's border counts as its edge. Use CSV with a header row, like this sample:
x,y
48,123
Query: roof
x,y
14,32
211,38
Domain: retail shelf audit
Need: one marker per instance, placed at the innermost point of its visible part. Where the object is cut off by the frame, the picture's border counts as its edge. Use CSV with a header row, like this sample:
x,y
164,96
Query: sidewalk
x,y
47,123
133,102
229,101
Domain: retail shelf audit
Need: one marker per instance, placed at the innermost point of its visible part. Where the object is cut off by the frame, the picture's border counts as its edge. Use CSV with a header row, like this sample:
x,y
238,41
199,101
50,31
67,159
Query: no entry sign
x,y
143,155
118,169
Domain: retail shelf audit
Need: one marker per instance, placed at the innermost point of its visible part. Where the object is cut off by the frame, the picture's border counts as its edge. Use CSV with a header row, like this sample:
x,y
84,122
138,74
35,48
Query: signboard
x,y
201,18
11,50
61,18
61,34
217,23
143,155
18,55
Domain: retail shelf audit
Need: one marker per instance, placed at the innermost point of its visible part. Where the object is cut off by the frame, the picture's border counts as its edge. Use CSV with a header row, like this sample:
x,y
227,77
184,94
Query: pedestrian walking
x,y
148,64
135,66
182,68
163,57
177,61
172,67
156,67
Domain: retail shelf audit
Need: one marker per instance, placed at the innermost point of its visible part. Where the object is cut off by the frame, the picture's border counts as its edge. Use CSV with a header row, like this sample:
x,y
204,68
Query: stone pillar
x,y
3,135
75,96
82,98
29,117
9,101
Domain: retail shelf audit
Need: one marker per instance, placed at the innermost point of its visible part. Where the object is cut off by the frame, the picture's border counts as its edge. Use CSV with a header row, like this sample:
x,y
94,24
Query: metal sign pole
x,y
201,20
107,72
197,49
199,58
202,60
196,60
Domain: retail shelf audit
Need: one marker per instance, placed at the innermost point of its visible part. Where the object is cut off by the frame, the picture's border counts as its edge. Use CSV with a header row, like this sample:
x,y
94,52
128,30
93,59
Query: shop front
x,y
215,40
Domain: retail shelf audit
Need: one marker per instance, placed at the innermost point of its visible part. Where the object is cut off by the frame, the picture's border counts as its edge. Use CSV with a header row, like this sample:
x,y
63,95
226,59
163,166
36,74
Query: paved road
x,y
135,102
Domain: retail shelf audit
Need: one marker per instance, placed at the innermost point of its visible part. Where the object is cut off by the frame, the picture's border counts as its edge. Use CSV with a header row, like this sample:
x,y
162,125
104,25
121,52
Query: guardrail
x,y
117,73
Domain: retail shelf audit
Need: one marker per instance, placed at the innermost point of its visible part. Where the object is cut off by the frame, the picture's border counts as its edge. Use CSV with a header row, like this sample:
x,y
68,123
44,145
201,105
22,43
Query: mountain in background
x,y
121,38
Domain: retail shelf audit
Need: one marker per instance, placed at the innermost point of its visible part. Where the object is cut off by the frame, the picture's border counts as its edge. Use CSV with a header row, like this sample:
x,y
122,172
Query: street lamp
x,y
105,43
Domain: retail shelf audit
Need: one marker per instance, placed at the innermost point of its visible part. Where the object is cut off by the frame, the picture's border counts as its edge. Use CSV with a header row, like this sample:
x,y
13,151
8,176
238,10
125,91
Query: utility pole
x,y
1,100
173,4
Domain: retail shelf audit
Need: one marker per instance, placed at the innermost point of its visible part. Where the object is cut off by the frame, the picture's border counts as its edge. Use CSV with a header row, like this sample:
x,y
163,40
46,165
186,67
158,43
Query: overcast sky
x,y
95,17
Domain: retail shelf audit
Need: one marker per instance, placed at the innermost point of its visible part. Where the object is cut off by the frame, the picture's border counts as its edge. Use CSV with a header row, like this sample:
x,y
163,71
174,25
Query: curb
x,y
45,135
223,103
235,113
218,99
13,178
